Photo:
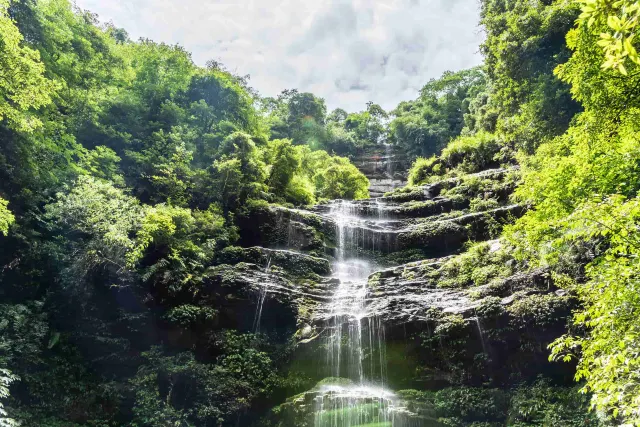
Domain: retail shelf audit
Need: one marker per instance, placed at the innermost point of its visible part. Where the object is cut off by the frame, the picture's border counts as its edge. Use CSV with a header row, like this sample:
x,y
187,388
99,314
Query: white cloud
x,y
346,51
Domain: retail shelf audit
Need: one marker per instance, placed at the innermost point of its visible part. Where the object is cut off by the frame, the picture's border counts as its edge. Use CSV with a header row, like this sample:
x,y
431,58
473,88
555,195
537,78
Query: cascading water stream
x,y
355,343
389,159
261,298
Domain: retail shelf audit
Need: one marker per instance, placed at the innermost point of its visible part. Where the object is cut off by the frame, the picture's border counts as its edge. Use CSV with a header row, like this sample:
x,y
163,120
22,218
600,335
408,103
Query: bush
x,y
422,169
300,191
340,179
471,153
465,154
542,404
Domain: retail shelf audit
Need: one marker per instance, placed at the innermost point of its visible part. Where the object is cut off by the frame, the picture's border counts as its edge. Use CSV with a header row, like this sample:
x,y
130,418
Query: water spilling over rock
x,y
354,334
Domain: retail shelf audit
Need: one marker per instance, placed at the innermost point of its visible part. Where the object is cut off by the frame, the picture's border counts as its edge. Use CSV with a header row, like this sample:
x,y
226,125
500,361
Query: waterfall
x,y
389,158
261,298
357,396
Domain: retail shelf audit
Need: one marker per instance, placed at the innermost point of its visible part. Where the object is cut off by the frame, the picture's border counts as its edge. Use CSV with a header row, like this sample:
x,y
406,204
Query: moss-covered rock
x,y
278,227
436,238
294,263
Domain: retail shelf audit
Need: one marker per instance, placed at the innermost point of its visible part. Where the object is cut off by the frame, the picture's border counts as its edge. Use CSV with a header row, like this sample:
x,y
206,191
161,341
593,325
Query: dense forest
x,y
136,185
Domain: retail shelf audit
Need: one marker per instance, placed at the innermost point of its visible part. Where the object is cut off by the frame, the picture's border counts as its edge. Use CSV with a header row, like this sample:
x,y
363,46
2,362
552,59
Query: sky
x,y
345,51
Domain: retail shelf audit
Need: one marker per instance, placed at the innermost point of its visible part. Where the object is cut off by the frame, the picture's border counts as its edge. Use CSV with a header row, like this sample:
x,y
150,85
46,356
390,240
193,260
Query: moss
x,y
434,237
450,326
480,204
484,273
418,208
297,265
267,225
391,259
540,310
498,186
408,274
495,287
406,194
477,266
490,307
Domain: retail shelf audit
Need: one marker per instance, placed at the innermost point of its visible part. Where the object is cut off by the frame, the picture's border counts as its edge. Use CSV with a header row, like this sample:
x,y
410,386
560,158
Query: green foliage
x,y
6,378
607,354
477,266
542,404
422,169
584,186
336,178
188,316
472,404
102,162
103,218
538,404
302,118
6,217
524,44
539,310
621,18
463,155
286,162
367,125
426,125
23,85
184,391
24,330
240,172
479,204
471,153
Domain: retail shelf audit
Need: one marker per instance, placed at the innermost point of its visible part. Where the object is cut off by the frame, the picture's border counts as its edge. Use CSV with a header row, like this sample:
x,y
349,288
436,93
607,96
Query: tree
x,y
221,98
337,178
367,126
426,125
617,41
239,173
525,43
6,217
101,220
23,85
284,165
6,378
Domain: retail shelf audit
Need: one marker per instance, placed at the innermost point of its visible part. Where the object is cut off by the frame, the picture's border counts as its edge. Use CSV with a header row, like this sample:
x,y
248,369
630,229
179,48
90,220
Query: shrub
x,y
471,153
422,169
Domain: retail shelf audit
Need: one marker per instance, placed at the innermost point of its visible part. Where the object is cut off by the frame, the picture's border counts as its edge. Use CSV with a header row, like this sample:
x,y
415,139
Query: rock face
x,y
386,167
471,335
283,228
295,263
341,279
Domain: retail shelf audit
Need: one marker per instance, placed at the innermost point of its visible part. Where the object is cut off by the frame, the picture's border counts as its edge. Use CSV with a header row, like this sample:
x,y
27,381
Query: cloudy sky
x,y
346,51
